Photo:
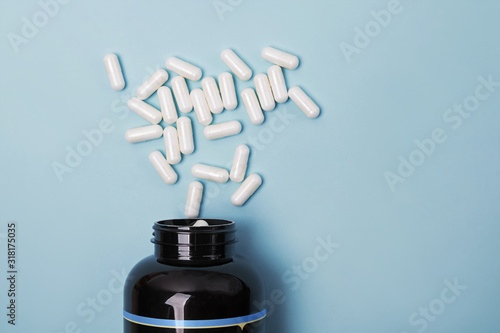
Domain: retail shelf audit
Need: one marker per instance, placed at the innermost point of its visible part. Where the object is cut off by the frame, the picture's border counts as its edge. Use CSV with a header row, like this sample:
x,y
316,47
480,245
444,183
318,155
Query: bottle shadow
x,y
275,299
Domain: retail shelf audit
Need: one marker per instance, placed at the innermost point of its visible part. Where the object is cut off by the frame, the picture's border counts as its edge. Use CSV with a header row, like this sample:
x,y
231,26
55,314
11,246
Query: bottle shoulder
x,y
149,268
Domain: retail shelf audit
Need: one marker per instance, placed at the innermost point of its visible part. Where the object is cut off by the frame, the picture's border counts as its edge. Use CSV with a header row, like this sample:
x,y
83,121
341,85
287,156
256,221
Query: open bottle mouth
x,y
179,242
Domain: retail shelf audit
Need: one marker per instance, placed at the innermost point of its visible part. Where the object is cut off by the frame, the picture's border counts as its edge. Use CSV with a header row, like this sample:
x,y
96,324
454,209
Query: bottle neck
x,y
179,243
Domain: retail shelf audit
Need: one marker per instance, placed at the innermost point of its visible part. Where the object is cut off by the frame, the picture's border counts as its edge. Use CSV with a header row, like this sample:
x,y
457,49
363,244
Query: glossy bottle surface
x,y
194,283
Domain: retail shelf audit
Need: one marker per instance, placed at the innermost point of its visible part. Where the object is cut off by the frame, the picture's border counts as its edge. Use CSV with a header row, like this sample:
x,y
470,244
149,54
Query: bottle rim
x,y
187,225
177,240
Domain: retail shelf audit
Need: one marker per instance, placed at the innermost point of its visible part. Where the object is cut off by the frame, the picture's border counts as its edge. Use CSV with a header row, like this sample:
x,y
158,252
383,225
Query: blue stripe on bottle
x,y
211,323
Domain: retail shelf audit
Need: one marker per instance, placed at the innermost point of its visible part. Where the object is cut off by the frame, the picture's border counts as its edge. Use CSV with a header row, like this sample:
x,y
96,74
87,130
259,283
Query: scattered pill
x,y
181,93
201,108
222,130
183,68
152,84
144,110
185,132
140,134
236,65
114,71
209,172
172,150
246,189
212,94
227,90
252,106
304,102
166,172
278,85
200,223
280,58
212,98
264,92
240,161
167,105
193,200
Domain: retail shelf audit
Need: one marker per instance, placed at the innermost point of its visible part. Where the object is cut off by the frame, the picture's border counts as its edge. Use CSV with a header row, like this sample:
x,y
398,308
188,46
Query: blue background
x,y
322,178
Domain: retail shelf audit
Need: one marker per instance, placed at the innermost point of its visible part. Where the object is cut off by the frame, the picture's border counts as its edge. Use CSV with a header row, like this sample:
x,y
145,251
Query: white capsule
x,y
236,65
181,93
264,92
201,107
166,172
246,189
114,71
172,150
140,134
152,84
252,106
167,105
193,200
222,130
200,223
240,161
144,110
304,102
212,94
185,132
278,85
280,58
227,90
183,68
209,172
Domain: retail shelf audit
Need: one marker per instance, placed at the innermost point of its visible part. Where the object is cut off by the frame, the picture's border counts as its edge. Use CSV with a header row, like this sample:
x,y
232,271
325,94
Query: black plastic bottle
x,y
194,283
